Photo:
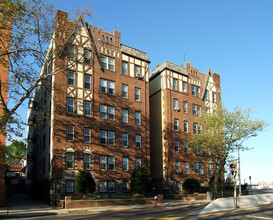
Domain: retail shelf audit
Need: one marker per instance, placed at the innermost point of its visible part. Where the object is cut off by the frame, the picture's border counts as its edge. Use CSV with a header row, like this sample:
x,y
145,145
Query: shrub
x,y
191,185
140,180
85,182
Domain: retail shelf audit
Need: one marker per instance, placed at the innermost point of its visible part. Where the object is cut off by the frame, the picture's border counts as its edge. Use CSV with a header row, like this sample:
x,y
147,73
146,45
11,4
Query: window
x,y
125,186
111,138
87,81
124,139
186,127
124,68
70,105
194,109
138,141
138,118
176,124
194,128
111,113
124,115
177,167
175,87
186,143
193,90
199,129
198,91
207,110
103,137
69,186
107,63
111,87
187,167
87,108
138,162
87,135
87,56
111,186
137,94
198,149
103,111
69,160
175,104
70,133
86,161
71,52
137,71
185,107
125,164
124,91
199,168
206,95
107,162
198,110
70,77
214,97
103,186
176,145
103,86
209,169
209,151
177,186
184,87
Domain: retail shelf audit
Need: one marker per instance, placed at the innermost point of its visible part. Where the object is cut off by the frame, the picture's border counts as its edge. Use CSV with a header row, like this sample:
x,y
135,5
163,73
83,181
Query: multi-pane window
x,y
125,164
193,90
70,77
87,108
209,151
187,167
103,186
111,87
107,163
138,118
70,105
138,141
111,186
103,111
124,68
137,94
125,186
186,127
87,81
198,110
176,124
125,115
124,91
186,144
111,113
198,91
86,161
69,186
199,129
124,139
177,167
103,86
213,96
175,104
176,145
185,107
87,135
175,86
69,160
184,87
138,162
103,162
194,128
70,133
206,95
194,109
103,137
199,168
107,63
198,149
111,138
209,169
111,163
87,56
137,71
71,52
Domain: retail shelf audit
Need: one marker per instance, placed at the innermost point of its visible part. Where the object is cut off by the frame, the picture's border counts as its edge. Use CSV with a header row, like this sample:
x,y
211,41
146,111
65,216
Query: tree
x,y
15,152
85,182
190,185
223,133
140,180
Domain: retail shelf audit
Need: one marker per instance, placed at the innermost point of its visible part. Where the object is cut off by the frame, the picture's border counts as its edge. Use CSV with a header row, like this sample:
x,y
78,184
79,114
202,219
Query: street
x,y
176,212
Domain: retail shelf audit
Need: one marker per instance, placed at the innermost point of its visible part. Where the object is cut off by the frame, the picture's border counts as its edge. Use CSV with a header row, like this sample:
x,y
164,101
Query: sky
x,y
234,38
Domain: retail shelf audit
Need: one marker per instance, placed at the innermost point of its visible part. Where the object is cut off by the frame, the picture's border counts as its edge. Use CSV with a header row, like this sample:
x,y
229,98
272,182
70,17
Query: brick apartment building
x,y
177,96
93,113
4,74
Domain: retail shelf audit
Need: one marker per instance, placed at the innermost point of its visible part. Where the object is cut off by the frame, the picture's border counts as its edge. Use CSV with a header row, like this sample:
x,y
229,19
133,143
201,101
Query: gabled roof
x,y
134,52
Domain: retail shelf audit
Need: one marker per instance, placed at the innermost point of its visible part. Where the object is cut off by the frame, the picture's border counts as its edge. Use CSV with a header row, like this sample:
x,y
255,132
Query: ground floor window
x,y
69,186
107,186
125,186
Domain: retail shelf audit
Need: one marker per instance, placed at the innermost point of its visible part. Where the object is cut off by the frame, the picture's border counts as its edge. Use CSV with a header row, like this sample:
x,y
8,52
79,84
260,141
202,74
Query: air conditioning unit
x,y
138,76
177,109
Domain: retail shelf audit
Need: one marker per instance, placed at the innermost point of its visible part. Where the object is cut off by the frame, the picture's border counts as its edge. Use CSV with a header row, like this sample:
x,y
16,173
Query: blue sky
x,y
234,38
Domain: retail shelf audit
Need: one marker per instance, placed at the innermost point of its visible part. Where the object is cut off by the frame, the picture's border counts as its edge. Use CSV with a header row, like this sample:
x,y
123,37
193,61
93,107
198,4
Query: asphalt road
x,y
173,213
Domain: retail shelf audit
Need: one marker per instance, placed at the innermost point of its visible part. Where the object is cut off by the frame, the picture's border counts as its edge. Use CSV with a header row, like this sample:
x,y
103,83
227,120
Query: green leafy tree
x,y
190,185
15,152
140,180
85,183
224,132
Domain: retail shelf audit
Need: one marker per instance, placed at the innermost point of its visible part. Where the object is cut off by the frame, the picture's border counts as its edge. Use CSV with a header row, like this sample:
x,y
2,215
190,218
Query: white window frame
x,y
87,108
193,90
70,102
186,127
175,104
176,124
176,145
194,109
124,68
111,163
138,141
103,86
138,162
187,168
125,164
103,186
87,56
111,112
111,138
138,118
111,87
137,94
103,136
87,161
125,114
87,135
87,81
69,186
198,91
214,97
103,111
69,160
184,87
195,128
125,139
175,84
124,91
107,63
185,107
137,70
103,162
70,132
70,77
